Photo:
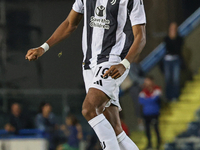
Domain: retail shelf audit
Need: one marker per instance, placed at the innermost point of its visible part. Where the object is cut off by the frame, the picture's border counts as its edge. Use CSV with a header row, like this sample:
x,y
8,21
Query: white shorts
x,y
93,78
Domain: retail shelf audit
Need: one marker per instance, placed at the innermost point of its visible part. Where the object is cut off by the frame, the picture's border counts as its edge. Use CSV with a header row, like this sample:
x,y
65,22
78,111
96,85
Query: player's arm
x,y
66,28
139,33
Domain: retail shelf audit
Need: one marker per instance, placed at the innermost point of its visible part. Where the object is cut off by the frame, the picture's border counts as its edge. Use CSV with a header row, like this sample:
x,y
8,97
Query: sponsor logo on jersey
x,y
100,21
100,11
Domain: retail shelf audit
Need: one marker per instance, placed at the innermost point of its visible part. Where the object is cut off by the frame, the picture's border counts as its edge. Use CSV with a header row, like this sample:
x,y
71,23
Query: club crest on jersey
x,y
100,11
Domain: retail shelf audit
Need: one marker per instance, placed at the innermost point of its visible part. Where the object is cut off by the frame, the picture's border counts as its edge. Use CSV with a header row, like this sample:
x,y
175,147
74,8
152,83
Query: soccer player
x,y
108,48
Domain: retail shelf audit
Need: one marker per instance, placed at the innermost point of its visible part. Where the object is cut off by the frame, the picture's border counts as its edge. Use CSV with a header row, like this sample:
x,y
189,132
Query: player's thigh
x,y
112,115
95,100
99,89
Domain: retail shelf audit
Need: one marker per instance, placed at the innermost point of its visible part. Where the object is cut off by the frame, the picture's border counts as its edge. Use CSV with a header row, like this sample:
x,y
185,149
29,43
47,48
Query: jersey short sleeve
x,y
78,6
136,12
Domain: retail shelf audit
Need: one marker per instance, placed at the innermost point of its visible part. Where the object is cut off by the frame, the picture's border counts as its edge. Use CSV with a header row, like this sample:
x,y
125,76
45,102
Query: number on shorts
x,y
98,71
103,72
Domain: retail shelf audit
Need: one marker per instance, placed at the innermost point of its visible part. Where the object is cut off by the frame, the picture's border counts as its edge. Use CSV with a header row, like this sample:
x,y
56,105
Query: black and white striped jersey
x,y
107,28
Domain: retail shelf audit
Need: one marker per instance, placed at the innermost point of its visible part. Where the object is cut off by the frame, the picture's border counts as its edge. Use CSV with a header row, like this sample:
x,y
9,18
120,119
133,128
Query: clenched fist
x,y
34,54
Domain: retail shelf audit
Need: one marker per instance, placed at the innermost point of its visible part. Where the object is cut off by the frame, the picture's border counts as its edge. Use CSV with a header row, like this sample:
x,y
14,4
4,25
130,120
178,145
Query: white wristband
x,y
45,46
126,63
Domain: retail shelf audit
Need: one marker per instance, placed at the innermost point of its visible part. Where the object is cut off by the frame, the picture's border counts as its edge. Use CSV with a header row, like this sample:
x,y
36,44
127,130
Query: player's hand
x,y
34,54
115,71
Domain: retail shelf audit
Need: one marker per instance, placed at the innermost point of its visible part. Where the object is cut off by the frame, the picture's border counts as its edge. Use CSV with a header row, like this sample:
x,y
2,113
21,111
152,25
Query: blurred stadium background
x,y
54,79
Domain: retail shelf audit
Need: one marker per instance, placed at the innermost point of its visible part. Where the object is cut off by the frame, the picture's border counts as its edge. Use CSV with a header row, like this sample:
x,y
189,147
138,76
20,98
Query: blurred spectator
x,y
73,132
46,122
149,98
172,62
17,120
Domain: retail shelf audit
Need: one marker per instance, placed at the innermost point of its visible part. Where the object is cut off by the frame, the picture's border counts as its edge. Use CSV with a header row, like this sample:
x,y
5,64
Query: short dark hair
x,y
150,77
